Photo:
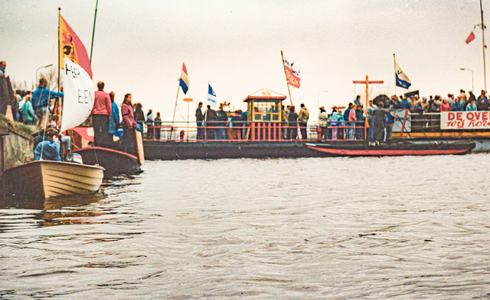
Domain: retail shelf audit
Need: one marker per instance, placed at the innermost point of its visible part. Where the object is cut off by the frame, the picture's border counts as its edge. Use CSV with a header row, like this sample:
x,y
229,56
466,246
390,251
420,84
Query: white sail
x,y
78,95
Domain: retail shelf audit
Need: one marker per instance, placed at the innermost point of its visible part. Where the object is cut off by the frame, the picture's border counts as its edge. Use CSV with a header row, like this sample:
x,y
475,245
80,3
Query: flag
x,y
78,92
401,78
184,79
212,98
292,75
470,38
72,47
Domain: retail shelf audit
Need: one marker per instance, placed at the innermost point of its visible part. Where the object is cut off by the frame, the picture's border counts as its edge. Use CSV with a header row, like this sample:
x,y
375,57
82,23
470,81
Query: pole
x,y
175,108
394,61
367,103
59,45
188,121
484,46
93,31
286,75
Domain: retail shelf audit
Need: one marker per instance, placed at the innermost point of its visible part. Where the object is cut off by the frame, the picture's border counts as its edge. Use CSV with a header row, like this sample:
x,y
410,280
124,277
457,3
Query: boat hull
x,y
48,179
114,162
396,148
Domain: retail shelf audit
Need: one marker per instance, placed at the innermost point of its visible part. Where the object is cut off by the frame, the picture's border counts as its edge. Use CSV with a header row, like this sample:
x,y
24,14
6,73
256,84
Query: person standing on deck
x,y
352,120
149,124
199,121
158,124
40,100
358,100
221,120
3,66
303,117
293,123
114,120
370,117
389,121
129,125
139,115
323,123
101,114
210,118
379,122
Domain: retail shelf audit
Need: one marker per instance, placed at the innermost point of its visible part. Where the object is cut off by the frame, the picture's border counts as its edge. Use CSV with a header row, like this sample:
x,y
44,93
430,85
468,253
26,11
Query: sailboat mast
x,y
484,47
93,31
59,45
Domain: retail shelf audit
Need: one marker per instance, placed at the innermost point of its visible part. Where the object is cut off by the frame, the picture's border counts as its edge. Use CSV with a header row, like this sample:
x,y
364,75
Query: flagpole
x,y
289,91
175,107
484,46
394,61
59,45
93,31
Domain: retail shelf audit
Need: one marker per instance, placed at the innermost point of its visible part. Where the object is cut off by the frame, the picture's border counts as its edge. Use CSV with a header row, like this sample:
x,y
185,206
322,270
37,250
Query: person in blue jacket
x,y
115,119
50,148
41,97
405,104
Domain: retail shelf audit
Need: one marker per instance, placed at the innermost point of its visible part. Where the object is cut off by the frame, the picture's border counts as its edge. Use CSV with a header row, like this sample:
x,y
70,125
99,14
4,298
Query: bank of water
x,y
312,228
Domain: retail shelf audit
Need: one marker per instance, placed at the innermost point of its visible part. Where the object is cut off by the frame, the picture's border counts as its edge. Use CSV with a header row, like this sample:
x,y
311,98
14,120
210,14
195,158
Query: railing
x,y
255,131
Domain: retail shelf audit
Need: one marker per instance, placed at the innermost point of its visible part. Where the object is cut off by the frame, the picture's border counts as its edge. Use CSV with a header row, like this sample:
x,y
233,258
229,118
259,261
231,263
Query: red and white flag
x,y
470,38
292,74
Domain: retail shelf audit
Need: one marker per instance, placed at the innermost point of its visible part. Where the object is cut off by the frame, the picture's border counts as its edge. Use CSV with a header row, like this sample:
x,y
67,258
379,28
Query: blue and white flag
x,y
212,98
401,78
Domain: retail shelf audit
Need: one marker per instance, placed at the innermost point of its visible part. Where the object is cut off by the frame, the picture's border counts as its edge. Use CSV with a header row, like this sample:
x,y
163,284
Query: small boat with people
x,y
56,171
391,148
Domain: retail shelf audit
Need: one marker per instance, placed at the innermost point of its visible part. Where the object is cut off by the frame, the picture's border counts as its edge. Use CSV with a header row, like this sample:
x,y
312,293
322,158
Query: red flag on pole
x,y
470,38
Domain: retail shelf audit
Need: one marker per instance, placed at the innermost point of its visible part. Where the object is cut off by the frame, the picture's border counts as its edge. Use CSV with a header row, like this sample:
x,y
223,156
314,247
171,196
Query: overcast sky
x,y
235,45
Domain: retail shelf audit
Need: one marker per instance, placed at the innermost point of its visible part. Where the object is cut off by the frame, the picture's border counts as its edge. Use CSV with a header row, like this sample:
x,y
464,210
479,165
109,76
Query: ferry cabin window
x,y
266,112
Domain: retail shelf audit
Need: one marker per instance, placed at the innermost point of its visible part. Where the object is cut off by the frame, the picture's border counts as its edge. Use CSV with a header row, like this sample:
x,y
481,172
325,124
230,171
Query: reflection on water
x,y
328,228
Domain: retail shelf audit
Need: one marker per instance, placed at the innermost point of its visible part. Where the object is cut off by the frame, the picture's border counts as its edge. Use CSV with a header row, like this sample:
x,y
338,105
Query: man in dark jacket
x,y
199,121
379,122
221,120
210,119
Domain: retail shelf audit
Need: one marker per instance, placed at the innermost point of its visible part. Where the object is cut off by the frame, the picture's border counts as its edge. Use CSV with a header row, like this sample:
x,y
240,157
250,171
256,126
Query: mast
x,y
59,45
484,47
394,62
93,31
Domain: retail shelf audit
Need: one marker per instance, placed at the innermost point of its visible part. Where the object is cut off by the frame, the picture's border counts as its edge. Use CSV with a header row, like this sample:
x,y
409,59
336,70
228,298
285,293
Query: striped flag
x,y
184,79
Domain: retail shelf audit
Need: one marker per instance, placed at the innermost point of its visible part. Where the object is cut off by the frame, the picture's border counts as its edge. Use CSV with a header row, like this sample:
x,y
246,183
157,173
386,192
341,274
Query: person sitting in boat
x,y
50,148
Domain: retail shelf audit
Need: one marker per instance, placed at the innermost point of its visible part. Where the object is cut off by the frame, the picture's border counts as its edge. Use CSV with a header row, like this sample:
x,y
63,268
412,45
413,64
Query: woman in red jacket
x,y
129,125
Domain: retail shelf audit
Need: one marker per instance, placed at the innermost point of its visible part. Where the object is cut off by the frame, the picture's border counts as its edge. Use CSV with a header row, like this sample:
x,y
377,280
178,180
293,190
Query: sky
x,y
235,45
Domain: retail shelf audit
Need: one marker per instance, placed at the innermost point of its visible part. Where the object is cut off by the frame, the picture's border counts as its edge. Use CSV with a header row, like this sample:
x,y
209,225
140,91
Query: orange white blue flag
x,y
184,79
72,47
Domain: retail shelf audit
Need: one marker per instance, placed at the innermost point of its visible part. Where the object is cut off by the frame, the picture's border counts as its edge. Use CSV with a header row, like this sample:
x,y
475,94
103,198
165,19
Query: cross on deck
x,y
367,82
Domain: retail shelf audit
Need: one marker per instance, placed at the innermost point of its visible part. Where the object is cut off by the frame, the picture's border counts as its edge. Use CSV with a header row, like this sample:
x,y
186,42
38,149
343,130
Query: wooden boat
x,y
115,162
44,179
392,148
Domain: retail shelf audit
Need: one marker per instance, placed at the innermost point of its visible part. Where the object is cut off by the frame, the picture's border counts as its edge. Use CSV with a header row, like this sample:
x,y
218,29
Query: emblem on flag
x,y
212,98
73,48
402,79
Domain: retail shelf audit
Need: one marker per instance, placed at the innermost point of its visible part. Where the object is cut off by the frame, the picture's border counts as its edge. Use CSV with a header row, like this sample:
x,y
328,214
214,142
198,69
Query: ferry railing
x,y
252,131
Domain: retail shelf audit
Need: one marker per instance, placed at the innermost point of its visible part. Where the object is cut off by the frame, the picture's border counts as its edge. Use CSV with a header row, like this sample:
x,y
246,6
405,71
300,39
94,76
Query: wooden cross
x,y
367,82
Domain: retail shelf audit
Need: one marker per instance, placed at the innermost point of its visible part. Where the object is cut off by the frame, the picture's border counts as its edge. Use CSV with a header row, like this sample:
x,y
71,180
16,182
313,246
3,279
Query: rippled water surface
x,y
327,228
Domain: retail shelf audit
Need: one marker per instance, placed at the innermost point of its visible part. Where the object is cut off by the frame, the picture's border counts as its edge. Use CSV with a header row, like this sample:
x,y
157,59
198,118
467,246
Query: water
x,y
328,228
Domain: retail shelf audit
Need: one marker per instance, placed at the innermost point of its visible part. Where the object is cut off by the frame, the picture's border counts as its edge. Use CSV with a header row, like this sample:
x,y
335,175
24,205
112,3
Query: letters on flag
x,y
78,95
184,79
401,78
72,47
212,98
470,38
292,75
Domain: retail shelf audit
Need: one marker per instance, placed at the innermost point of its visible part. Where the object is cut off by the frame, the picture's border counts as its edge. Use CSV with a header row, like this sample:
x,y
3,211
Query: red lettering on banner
x,y
458,116
477,115
450,116
461,124
470,116
485,115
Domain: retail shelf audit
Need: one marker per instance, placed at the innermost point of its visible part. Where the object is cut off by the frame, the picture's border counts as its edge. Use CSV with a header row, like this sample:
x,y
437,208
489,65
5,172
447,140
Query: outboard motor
x,y
74,157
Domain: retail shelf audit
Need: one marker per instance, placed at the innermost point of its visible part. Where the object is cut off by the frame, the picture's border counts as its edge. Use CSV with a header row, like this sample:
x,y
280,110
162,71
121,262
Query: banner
x,y
451,120
78,95
292,75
